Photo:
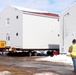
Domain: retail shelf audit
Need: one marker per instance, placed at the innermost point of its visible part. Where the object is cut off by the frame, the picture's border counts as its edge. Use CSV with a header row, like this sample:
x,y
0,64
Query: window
x,y
16,34
58,19
16,17
7,21
58,35
8,38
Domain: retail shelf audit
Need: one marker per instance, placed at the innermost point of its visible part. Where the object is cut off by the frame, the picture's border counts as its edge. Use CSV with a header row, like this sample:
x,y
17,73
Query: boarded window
x,y
16,34
16,17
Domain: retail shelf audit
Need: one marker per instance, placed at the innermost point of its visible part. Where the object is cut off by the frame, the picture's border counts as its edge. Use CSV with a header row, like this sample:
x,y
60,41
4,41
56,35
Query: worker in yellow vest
x,y
72,50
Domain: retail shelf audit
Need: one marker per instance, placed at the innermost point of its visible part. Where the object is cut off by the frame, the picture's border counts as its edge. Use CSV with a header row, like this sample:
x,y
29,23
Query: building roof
x,y
33,11
68,8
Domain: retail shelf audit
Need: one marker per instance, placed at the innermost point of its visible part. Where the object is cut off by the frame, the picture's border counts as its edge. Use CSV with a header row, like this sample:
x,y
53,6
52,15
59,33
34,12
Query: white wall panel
x,y
39,32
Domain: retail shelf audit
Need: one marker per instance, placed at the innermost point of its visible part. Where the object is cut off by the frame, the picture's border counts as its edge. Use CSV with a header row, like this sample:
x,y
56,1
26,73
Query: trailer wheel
x,y
34,53
50,53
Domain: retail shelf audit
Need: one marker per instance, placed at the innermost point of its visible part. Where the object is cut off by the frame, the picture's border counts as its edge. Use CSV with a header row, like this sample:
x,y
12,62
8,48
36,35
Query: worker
x,y
72,50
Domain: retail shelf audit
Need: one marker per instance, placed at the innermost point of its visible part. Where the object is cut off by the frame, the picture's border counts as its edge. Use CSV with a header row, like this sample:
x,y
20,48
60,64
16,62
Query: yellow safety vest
x,y
73,53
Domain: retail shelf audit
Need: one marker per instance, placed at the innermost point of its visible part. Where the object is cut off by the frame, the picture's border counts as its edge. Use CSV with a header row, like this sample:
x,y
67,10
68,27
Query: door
x,y
7,40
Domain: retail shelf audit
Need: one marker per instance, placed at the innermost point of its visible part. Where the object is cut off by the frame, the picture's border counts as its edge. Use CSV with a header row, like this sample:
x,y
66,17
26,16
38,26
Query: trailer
x,y
29,30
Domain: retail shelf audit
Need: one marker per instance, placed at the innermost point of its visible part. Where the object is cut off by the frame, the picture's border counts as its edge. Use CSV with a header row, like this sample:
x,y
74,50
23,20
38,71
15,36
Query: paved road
x,y
61,69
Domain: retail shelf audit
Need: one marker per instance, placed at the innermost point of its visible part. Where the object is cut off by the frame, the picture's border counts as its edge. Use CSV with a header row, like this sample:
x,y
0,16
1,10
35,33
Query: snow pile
x,y
46,73
5,73
57,58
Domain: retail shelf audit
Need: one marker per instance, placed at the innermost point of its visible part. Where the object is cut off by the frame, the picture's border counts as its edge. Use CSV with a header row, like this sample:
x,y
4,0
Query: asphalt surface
x,y
58,68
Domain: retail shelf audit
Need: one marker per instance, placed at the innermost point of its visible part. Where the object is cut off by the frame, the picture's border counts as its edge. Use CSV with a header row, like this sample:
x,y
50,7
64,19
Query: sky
x,y
56,6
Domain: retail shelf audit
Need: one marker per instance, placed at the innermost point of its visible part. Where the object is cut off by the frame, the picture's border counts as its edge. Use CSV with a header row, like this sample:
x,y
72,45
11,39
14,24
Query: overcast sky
x,y
56,6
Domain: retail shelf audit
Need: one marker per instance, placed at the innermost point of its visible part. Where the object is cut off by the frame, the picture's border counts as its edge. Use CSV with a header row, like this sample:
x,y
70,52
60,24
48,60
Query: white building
x,y
29,29
68,28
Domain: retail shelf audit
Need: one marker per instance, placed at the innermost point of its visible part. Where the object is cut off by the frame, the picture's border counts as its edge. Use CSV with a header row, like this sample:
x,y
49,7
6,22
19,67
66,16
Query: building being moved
x,y
29,29
68,28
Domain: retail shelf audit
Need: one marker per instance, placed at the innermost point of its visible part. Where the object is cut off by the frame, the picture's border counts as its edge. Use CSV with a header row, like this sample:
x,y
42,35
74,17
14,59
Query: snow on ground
x,y
46,73
5,73
57,58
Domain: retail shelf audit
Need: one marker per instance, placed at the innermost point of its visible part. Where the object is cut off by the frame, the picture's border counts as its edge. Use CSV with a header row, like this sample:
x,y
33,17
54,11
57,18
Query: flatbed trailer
x,y
32,52
23,52
12,51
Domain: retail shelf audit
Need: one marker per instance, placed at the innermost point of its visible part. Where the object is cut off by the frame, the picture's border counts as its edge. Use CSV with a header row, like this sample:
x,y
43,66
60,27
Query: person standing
x,y
72,50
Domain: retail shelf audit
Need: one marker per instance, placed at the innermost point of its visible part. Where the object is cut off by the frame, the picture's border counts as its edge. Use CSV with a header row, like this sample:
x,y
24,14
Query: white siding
x,y
15,26
34,31
68,21
39,32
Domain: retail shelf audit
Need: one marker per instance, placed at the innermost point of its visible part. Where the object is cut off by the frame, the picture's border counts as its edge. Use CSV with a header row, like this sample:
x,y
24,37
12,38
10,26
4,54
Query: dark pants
x,y
74,63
